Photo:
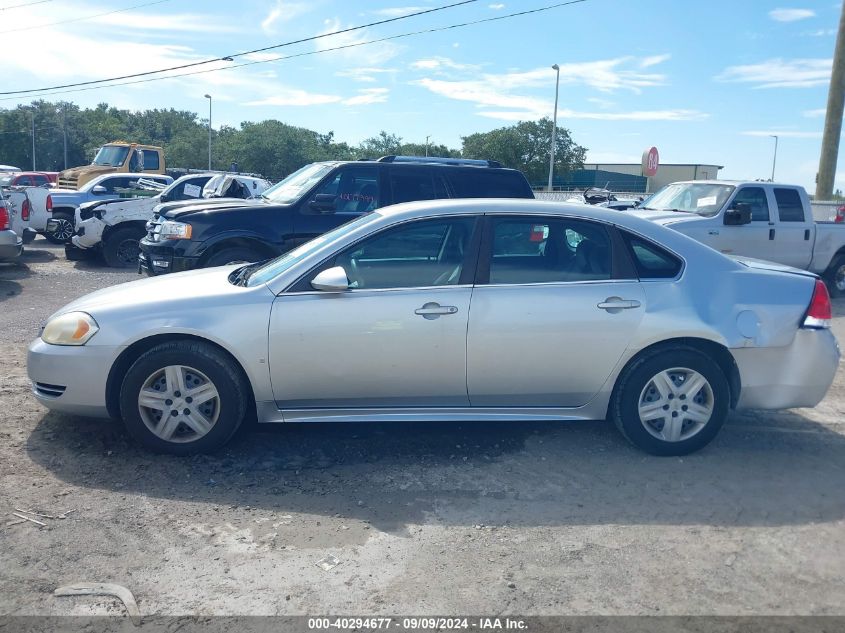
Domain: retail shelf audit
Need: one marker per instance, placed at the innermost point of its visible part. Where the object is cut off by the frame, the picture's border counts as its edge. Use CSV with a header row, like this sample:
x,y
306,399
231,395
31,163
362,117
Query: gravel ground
x,y
424,518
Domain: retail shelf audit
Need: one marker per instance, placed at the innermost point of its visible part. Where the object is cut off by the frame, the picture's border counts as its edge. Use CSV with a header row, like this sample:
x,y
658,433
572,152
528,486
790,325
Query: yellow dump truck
x,y
115,157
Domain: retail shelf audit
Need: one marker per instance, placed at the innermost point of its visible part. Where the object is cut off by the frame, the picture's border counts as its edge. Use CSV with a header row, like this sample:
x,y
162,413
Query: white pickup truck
x,y
114,227
763,220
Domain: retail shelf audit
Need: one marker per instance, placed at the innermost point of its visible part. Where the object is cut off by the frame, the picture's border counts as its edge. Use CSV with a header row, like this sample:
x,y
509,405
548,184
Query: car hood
x,y
76,172
666,218
179,209
153,295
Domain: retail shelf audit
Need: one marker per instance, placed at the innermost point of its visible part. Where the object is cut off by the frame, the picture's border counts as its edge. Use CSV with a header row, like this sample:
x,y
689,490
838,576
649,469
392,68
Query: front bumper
x,y
89,233
797,375
71,379
11,246
157,259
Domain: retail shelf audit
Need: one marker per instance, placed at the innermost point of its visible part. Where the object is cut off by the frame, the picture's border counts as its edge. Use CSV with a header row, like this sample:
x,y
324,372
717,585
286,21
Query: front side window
x,y
790,208
755,197
418,254
547,250
355,190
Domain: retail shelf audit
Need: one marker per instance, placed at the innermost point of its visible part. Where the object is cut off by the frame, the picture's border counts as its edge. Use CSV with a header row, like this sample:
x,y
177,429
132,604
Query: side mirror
x,y
738,214
331,280
323,202
99,189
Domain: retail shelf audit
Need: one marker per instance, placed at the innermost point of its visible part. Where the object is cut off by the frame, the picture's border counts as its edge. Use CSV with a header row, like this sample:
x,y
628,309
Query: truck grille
x,y
154,229
68,183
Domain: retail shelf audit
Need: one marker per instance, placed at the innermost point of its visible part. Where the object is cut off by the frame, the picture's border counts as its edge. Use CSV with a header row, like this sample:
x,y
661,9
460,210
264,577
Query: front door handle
x,y
615,304
433,310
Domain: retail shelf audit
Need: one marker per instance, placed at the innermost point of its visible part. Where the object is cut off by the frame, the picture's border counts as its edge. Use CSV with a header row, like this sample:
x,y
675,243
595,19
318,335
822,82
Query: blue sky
x,y
705,82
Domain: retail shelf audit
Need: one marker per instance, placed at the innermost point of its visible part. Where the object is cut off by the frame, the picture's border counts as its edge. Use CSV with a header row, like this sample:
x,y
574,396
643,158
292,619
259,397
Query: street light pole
x,y
426,144
775,157
209,131
554,129
64,132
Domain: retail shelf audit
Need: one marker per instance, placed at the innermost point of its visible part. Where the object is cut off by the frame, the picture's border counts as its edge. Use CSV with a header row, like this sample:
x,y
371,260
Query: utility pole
x,y
209,131
33,138
556,68
833,118
775,157
426,145
64,131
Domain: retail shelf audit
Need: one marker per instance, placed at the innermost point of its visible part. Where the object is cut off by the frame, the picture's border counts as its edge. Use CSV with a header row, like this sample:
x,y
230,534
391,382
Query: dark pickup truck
x,y
309,202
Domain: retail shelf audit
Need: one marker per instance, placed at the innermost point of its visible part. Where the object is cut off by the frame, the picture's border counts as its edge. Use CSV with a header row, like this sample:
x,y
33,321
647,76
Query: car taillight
x,y
819,312
840,215
49,203
25,210
4,218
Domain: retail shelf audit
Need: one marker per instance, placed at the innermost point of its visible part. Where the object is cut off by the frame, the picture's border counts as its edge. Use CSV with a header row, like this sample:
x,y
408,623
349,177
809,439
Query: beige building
x,y
666,173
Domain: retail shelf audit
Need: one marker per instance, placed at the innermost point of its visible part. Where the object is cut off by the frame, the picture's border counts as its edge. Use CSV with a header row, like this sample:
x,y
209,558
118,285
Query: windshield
x,y
111,156
702,198
275,267
5,181
292,187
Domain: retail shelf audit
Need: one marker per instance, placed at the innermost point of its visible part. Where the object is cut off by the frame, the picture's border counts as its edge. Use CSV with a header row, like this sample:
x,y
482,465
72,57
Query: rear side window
x,y
409,185
652,261
151,161
790,208
480,182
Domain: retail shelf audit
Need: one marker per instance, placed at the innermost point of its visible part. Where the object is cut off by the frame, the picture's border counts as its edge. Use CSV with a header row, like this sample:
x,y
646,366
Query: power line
x,y
232,56
325,50
28,4
86,17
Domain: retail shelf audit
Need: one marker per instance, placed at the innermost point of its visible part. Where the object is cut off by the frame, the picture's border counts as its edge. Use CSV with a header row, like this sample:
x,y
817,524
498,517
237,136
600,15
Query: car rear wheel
x,y
182,398
672,402
62,224
835,277
233,256
120,248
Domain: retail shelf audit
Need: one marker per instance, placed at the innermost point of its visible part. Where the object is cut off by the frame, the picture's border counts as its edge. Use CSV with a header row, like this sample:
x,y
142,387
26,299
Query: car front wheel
x,y
672,402
183,397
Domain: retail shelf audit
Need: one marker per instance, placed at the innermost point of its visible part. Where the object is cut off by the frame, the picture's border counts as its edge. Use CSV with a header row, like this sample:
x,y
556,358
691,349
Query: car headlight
x,y
73,328
175,231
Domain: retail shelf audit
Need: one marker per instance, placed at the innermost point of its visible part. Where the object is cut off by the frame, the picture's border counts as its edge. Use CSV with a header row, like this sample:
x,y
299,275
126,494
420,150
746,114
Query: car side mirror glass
x,y
323,202
331,280
738,214
99,189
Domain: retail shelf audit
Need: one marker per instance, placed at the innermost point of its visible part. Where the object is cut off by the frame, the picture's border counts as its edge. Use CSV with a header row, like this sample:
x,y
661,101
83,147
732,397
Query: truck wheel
x,y
233,256
120,247
835,277
63,230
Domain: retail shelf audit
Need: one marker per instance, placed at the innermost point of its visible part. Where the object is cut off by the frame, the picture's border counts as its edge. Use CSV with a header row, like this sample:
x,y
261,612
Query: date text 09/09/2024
x,y
417,623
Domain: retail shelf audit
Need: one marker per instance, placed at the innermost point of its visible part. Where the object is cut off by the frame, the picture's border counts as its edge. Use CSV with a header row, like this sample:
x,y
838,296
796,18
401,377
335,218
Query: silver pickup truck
x,y
763,220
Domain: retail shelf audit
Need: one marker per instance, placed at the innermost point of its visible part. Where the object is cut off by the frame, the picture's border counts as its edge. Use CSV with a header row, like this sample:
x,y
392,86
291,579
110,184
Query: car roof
x,y
417,164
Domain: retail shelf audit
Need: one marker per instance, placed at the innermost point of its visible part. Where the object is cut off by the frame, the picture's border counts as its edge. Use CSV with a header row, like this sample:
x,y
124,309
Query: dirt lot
x,y
424,518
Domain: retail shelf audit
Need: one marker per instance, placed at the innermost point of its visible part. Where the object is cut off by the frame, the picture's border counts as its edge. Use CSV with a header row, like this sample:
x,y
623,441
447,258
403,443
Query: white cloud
x,y
365,74
368,96
181,22
819,33
497,6
439,63
654,60
370,54
604,104
791,15
283,11
397,12
783,134
780,73
292,97
636,115
813,114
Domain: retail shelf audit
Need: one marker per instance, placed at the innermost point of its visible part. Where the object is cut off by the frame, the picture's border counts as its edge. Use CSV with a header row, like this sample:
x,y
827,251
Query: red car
x,y
28,178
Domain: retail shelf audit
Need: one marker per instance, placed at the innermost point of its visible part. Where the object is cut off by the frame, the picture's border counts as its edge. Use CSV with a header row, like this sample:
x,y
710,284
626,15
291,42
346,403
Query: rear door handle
x,y
434,310
614,304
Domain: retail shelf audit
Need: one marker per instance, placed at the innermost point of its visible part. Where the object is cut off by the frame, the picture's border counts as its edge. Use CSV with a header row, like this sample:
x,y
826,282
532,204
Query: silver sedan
x,y
449,310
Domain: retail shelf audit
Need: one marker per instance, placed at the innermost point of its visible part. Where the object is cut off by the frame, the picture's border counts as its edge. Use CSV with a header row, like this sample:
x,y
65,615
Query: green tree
x,y
526,146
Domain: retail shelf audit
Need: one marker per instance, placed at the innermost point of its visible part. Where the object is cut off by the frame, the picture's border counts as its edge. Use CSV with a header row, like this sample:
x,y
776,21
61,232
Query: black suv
x,y
309,202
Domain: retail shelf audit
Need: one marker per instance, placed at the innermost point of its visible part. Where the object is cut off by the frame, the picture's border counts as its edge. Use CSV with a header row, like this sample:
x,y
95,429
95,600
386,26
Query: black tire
x,y
221,371
835,278
624,405
235,255
64,232
120,247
